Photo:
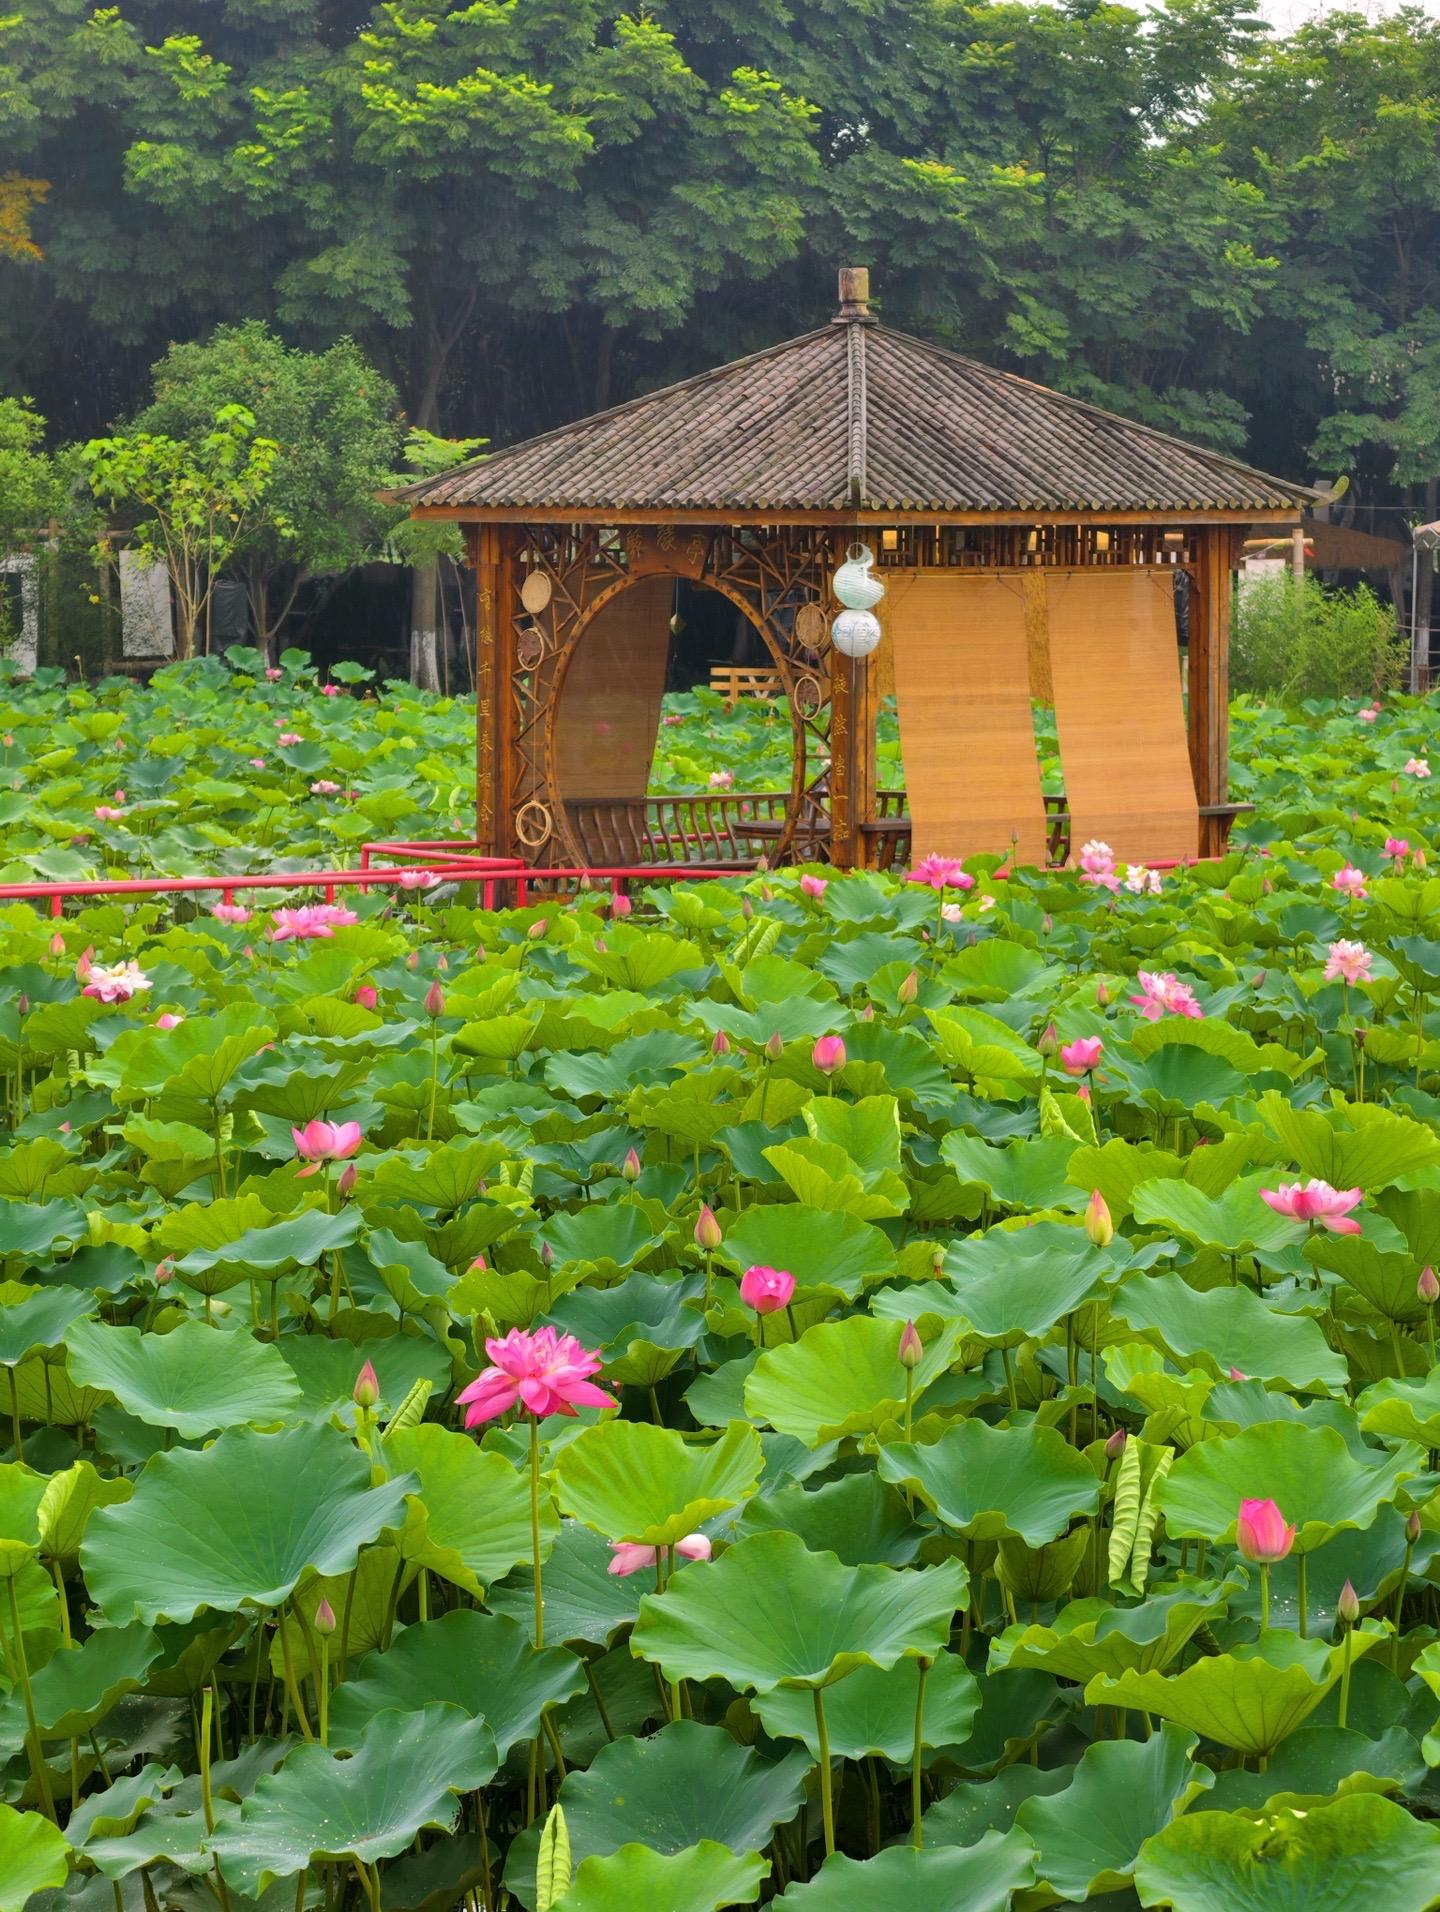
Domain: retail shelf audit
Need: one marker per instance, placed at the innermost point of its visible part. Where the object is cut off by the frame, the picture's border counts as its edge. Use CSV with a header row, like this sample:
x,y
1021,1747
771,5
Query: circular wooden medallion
x,y
533,824
530,649
535,592
808,695
810,626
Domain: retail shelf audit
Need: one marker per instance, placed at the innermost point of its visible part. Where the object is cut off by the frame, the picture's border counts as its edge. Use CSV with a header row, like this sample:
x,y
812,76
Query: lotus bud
x,y
442,963
909,989
537,929
1102,995
585,884
601,945
1116,1444
366,1391
1234,1374
911,1348
325,1619
348,1177
630,1167
937,1261
165,1271
620,905
412,961
57,944
82,965
774,1045
1412,1527
707,1230
828,1055
1418,859
1098,1225
767,895
1347,1607
1049,1041
480,952
22,1004
547,1254
1047,923
720,1044
434,1001
1427,1287
1083,1092
1262,1532
747,908
479,1265
367,995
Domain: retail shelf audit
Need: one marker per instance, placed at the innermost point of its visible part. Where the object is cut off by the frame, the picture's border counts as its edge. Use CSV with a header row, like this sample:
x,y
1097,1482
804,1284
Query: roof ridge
x,y
1090,409
692,383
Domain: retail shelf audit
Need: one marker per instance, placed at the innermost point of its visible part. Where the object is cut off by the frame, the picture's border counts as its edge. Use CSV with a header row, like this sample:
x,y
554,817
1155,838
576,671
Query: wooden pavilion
x,y
1030,546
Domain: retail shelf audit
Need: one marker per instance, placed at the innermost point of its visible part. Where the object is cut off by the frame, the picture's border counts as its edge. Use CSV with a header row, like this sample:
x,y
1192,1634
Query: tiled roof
x,y
858,417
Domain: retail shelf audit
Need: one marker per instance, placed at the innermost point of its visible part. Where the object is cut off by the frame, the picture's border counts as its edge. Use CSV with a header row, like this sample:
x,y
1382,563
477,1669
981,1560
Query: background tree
x,y
333,421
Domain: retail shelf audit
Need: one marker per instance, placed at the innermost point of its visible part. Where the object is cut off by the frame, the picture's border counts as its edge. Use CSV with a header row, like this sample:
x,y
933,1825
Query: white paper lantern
x,y
855,633
855,584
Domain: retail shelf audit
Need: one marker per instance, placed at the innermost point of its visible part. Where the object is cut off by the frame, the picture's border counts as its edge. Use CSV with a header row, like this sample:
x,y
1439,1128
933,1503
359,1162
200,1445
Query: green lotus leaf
x,y
440,1178
605,1231
402,1776
1250,1698
1407,1410
686,1785
480,1662
1364,1146
33,1229
873,1711
1016,1282
699,1879
770,1613
982,1046
967,1812
583,1599
1356,1851
1231,1327
199,1056
821,1248
987,1482
112,1813
637,959
262,1254
471,1520
1308,1472
630,1480
33,1855
1040,1575
613,1073
210,1224
41,1322
412,1277
1029,1173
842,1377
821,1175
1218,1038
236,1525
70,1497
1088,1837
21,1492
79,1684
857,1518
1090,1637
978,1878
327,1370
195,1379
1235,1222
643,1324
1319,1763
1386,1279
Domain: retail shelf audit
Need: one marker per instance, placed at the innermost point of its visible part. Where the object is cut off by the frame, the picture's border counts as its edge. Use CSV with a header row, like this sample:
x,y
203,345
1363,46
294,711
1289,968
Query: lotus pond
x,y
950,1365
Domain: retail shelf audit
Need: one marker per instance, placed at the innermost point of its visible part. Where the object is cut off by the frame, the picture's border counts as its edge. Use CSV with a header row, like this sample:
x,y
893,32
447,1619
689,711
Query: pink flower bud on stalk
x,y
442,963
630,1167
707,1230
1116,1444
620,905
1427,1287
828,1055
412,961
22,1004
1234,1374
909,989
1048,1042
1263,1537
720,1044
165,1271
324,1619
1098,1225
434,1001
912,1349
1102,996
547,1254
345,1182
747,908
366,996
57,944
366,1391
774,1045
1412,1527
1347,1607
937,1261
537,929
867,1014
479,1265
767,1290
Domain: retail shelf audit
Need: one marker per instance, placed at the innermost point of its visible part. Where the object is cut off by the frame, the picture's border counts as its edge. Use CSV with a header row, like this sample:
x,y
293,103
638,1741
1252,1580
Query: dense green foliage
x,y
278,1632
521,213
1292,639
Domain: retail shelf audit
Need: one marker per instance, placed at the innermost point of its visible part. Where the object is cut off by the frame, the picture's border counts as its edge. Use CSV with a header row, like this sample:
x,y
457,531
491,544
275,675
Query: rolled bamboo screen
x,y
1119,712
962,688
609,712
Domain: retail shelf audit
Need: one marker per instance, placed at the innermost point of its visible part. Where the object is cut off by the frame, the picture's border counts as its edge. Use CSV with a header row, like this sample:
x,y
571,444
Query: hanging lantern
x,y
855,583
855,633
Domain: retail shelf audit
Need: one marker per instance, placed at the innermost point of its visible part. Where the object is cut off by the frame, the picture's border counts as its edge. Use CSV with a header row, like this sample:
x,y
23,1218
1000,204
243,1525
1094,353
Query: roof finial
x,y
854,296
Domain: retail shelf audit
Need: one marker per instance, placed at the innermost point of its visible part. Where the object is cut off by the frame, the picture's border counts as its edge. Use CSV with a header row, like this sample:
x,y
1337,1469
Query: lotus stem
x,y
1344,1711
324,1689
37,1755
287,1659
207,1800
916,1834
1264,1596
827,1800
909,1408
1399,1605
535,1531
598,1698
1302,1577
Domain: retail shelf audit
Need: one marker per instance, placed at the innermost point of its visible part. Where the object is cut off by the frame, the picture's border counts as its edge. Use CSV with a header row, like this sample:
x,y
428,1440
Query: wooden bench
x,y
734,681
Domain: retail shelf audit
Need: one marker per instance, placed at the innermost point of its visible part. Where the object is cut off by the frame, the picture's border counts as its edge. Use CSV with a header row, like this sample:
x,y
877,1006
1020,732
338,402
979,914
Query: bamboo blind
x,y
962,686
1119,712
609,711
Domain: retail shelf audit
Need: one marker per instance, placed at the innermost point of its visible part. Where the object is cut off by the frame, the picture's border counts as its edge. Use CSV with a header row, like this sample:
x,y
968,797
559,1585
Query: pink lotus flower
x,y
273,676
1397,848
230,913
1097,865
289,737
419,879
1261,1532
117,982
366,995
324,788
329,690
543,1372
721,779
1368,714
1142,882
107,813
942,873
1164,993
320,1142
620,905
1350,882
828,1055
815,886
630,1557
1350,961
169,1020
1416,767
767,1290
256,763
312,920
1099,1226
1082,1055
670,719
1316,1201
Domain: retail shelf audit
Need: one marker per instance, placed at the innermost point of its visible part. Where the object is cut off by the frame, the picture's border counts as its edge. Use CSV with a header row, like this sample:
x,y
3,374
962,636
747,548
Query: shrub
x,y
1293,639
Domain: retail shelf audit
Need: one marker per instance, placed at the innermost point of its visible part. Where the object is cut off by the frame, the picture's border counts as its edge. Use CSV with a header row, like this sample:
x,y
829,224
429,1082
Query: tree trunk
x,y
1424,598
424,625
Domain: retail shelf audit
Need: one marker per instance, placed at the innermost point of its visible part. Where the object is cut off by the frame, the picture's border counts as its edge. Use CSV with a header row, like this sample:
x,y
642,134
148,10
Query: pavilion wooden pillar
x,y
493,620
1209,712
847,745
